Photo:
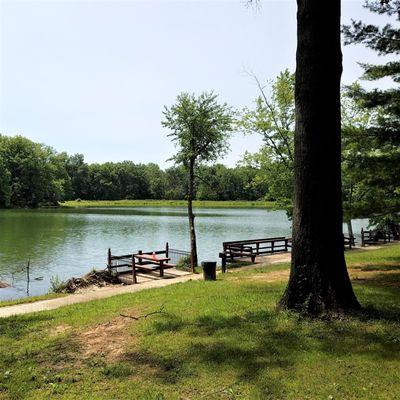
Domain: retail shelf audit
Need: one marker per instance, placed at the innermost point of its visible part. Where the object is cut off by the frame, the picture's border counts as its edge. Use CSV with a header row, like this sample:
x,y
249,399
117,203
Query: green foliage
x,y
184,264
200,127
370,163
56,285
376,164
273,117
32,175
218,182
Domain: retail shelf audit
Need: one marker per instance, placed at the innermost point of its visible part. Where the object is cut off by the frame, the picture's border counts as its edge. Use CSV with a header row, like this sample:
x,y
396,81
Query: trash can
x,y
209,270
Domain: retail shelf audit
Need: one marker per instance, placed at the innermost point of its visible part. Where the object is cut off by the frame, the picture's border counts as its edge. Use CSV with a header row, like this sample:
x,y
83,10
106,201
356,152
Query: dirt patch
x,y
107,340
269,277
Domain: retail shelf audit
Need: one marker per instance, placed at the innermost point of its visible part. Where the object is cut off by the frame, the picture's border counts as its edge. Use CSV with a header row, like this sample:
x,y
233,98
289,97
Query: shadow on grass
x,y
19,326
263,347
391,280
387,267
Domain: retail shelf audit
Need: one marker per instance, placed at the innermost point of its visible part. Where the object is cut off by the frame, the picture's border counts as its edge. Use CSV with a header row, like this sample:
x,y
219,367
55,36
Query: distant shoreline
x,y
168,203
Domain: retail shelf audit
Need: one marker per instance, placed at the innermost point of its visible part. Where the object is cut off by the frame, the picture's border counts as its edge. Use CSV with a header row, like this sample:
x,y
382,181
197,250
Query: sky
x,y
93,77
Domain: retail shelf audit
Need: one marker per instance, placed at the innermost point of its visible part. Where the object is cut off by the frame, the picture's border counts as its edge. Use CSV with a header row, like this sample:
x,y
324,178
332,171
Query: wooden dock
x,y
142,277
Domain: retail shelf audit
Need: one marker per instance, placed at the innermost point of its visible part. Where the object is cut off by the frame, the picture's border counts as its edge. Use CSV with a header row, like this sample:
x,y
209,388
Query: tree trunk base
x,y
308,292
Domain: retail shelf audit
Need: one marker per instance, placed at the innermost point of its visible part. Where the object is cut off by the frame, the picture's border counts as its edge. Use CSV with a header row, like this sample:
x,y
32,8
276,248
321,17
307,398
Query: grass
x,y
213,340
32,299
169,203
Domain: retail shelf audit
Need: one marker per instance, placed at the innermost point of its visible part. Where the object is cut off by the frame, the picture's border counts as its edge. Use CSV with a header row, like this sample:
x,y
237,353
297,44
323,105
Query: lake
x,y
70,242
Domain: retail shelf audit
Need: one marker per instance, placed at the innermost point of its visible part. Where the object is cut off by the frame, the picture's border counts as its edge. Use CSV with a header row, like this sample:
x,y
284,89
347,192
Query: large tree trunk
x,y
193,245
319,280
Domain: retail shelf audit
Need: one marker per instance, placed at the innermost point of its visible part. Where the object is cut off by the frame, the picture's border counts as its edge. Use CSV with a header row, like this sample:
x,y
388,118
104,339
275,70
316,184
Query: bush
x,y
184,264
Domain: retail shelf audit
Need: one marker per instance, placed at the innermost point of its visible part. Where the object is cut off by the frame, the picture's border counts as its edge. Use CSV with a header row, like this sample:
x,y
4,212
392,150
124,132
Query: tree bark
x,y
193,244
318,281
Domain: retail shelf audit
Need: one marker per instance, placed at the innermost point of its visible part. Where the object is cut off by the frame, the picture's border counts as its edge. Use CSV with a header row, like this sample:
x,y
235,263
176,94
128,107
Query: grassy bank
x,y
31,299
169,203
214,340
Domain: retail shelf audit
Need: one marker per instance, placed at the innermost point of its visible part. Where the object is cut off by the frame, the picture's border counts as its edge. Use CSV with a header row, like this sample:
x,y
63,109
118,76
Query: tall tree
x,y
200,129
318,281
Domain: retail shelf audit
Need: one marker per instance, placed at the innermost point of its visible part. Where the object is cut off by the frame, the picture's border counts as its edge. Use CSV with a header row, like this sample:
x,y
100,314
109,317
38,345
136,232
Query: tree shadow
x,y
259,346
19,326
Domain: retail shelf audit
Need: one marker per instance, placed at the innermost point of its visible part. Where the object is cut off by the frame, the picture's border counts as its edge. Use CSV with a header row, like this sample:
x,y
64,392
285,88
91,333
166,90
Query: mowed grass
x,y
169,203
211,340
32,299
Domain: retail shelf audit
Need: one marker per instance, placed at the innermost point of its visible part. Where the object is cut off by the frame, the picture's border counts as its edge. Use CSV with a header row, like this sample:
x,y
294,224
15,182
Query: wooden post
x,y
109,260
161,268
27,277
140,252
134,269
258,248
272,246
166,249
286,243
223,262
362,237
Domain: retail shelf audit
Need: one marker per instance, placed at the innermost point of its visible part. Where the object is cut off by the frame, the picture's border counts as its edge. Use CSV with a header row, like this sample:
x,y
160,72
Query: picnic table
x,y
157,260
149,262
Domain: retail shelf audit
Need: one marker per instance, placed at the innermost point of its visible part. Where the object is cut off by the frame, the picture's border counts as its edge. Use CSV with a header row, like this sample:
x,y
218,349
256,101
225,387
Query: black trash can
x,y
209,270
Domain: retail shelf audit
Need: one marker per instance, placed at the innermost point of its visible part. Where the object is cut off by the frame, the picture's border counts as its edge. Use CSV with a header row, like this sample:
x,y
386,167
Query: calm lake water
x,y
66,243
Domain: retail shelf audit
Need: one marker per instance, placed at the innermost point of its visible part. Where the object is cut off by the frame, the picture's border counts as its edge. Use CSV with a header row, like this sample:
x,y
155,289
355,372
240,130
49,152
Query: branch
x,y
160,311
278,128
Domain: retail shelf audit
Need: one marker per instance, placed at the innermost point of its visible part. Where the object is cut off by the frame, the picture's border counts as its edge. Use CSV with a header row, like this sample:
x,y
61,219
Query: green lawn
x,y
214,340
31,299
169,203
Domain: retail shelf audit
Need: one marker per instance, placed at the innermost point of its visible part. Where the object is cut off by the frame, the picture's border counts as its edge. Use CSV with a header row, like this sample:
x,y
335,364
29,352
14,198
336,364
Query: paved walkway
x,y
102,293
51,304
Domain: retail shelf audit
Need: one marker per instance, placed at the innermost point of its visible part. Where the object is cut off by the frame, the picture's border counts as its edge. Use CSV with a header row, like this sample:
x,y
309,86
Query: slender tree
x,y
318,281
200,129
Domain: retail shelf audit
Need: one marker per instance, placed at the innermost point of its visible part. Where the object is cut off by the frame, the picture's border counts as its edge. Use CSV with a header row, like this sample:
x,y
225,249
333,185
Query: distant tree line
x,y
33,174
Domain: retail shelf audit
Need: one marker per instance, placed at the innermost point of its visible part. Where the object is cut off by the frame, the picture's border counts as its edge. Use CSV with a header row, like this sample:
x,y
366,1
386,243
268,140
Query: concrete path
x,y
51,304
145,282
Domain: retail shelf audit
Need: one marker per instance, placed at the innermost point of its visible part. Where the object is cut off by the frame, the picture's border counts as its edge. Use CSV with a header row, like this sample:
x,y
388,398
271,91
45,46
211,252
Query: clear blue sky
x,y
92,77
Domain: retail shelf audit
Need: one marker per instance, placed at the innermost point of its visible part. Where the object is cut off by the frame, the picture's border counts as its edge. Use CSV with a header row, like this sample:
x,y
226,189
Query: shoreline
x,y
270,205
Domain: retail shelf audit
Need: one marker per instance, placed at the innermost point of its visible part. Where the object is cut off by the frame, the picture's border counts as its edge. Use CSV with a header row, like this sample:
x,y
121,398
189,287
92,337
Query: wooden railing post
x,y
109,259
134,278
223,262
140,252
166,249
362,237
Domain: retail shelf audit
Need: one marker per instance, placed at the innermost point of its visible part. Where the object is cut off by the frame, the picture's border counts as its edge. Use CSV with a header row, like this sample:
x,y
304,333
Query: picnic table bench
x,y
374,236
349,241
252,248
